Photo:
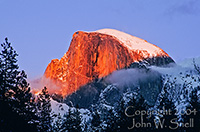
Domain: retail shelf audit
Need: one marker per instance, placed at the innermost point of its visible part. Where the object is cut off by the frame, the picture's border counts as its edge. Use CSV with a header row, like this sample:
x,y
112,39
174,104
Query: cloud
x,y
131,77
38,84
185,7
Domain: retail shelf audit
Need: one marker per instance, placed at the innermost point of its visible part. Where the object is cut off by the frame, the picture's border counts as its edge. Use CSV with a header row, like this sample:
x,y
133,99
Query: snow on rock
x,y
96,54
132,42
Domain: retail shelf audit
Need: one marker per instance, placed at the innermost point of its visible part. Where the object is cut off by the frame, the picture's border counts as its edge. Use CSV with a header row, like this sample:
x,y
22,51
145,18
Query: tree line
x,y
20,110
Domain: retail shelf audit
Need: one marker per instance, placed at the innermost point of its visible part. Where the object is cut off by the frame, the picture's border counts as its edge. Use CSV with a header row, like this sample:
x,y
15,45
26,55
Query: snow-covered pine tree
x,y
167,106
193,111
77,122
111,121
122,118
72,122
96,121
196,67
57,126
138,104
142,105
67,121
44,111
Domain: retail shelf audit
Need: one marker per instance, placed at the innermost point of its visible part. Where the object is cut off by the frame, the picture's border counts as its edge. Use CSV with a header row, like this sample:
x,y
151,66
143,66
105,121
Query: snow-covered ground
x,y
61,109
182,66
181,80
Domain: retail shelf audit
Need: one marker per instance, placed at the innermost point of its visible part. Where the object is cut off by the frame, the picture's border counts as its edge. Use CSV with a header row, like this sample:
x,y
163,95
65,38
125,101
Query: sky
x,y
41,30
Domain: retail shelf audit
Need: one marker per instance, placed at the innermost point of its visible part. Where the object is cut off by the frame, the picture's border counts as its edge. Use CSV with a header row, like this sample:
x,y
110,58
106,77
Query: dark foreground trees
x,y
44,111
21,112
17,111
72,121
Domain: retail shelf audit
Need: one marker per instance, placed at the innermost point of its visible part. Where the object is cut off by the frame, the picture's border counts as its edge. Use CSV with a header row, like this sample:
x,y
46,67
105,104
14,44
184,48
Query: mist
x,y
121,78
131,77
39,83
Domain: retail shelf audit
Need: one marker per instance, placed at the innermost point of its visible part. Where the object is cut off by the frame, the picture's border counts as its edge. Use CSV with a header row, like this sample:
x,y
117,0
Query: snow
x,y
181,79
183,72
85,113
62,108
175,70
132,42
189,62
59,108
182,66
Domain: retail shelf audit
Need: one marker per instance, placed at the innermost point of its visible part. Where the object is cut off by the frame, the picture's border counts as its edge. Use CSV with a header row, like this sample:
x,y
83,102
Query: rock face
x,y
94,55
111,88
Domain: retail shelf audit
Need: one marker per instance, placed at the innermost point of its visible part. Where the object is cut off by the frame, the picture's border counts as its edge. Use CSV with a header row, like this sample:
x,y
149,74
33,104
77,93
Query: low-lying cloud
x,y
38,84
131,77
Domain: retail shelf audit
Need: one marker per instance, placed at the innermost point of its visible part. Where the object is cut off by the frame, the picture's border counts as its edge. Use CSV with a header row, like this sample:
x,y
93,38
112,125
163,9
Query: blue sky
x,y
41,30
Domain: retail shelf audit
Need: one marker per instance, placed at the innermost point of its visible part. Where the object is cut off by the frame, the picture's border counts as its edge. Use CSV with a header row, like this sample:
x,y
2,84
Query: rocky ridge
x,y
94,55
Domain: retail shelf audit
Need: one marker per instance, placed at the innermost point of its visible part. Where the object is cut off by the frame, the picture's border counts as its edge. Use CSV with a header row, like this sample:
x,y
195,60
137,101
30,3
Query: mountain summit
x,y
94,55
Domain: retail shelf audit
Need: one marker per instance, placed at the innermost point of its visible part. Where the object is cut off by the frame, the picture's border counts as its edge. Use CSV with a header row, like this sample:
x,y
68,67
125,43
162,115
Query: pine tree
x,y
9,70
67,121
122,118
169,110
142,105
15,96
194,99
57,126
111,121
194,109
196,67
77,123
96,120
138,104
44,111
72,122
24,102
